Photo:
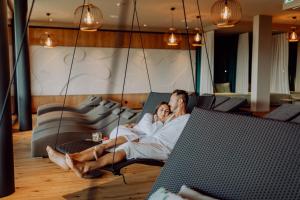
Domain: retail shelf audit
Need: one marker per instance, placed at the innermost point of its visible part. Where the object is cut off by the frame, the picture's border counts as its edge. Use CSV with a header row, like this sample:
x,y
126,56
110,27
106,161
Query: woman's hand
x,y
155,117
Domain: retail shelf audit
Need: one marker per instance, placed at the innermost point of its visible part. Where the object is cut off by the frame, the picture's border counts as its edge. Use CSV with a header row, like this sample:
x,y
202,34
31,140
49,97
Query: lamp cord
x,y
207,57
69,77
141,38
124,81
188,42
16,62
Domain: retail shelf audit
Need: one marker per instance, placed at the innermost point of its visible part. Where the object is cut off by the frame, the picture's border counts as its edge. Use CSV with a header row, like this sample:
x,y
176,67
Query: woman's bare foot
x,y
57,158
77,167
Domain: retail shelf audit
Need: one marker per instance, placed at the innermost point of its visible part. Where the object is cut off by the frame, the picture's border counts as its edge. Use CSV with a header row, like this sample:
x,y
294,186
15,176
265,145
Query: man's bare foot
x,y
57,158
77,167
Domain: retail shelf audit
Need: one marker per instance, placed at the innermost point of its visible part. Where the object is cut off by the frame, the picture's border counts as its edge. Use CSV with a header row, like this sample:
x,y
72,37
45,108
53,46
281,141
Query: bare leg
x,y
96,151
57,158
80,168
88,154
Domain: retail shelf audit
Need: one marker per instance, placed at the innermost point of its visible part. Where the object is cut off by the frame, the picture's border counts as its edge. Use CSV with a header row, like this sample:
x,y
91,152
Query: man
x,y
157,146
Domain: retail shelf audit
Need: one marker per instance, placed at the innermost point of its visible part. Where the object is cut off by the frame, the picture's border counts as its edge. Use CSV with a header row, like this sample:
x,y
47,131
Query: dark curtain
x,y
293,48
225,59
198,69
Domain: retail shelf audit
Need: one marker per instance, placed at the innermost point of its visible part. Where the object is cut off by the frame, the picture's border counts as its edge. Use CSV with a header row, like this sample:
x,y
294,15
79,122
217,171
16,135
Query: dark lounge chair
x,y
231,104
230,156
285,112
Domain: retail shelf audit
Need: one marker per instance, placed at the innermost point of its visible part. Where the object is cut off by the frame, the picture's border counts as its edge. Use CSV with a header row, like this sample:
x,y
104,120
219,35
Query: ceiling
x,y
156,14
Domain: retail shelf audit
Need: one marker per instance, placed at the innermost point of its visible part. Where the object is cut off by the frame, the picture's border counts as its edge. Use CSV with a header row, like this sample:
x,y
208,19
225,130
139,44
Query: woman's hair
x,y
161,103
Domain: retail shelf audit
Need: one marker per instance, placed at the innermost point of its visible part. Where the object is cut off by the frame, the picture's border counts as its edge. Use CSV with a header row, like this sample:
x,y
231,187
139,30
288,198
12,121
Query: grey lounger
x,y
296,119
90,117
231,104
41,139
83,107
285,112
235,157
92,122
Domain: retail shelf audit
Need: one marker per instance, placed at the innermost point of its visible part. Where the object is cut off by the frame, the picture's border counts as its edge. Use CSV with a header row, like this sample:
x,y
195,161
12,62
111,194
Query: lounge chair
x,y
106,116
231,104
285,112
68,133
296,119
220,100
89,103
94,115
235,157
149,107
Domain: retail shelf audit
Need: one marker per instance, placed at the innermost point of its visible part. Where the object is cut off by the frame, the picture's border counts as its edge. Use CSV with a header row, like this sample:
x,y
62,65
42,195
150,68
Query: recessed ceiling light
x,y
114,16
118,4
145,25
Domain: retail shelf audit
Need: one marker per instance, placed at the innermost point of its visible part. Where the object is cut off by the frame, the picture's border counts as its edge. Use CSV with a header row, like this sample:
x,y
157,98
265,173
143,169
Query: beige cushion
x,y
222,87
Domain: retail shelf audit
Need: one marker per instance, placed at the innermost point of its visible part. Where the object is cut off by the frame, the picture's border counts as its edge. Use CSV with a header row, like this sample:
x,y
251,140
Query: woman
x,y
146,126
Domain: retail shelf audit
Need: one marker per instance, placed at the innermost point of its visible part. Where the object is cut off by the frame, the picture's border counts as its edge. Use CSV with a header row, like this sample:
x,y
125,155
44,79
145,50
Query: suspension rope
x,y
124,80
188,42
69,76
204,39
16,62
141,38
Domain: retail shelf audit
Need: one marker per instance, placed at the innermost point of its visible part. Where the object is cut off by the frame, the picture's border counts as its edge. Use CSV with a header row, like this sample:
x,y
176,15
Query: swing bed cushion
x,y
235,157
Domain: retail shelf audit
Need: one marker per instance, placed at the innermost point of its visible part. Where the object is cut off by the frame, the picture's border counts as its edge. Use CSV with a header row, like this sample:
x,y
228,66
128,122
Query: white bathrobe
x,y
159,144
145,127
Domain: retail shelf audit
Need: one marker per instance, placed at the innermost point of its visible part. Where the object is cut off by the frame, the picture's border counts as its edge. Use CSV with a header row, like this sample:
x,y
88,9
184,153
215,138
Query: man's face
x,y
173,103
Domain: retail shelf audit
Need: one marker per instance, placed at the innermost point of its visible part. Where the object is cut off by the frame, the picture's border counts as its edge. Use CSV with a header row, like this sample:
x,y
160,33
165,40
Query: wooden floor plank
x,y
38,178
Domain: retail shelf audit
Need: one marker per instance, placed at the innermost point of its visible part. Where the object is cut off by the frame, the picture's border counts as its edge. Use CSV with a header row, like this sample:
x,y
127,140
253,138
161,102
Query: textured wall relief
x,y
102,70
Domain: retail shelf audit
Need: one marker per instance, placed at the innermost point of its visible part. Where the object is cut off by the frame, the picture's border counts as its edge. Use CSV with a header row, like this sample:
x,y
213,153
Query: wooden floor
x,y
38,178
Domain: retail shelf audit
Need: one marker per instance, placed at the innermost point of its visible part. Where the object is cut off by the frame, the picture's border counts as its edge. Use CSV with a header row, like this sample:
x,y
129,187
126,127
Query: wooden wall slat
x,y
113,39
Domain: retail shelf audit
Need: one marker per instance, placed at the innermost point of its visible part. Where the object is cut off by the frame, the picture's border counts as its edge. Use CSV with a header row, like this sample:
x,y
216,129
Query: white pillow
x,y
190,194
163,194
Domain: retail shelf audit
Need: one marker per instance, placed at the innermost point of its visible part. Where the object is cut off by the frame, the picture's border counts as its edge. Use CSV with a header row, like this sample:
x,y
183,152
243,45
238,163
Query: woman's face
x,y
163,111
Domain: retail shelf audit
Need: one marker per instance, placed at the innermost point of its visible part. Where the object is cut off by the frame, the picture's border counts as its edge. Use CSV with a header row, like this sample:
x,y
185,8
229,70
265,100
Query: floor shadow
x,y
138,186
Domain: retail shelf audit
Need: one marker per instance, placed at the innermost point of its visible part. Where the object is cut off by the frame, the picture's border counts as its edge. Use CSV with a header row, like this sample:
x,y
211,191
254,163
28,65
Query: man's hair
x,y
183,95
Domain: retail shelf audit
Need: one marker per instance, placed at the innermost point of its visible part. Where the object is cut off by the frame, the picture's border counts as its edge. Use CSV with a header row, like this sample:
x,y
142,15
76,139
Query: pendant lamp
x,y
197,38
292,35
90,15
172,39
48,40
226,13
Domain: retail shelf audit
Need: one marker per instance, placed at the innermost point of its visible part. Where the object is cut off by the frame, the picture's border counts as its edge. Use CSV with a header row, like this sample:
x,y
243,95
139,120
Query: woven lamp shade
x,y
292,36
92,18
48,40
226,13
